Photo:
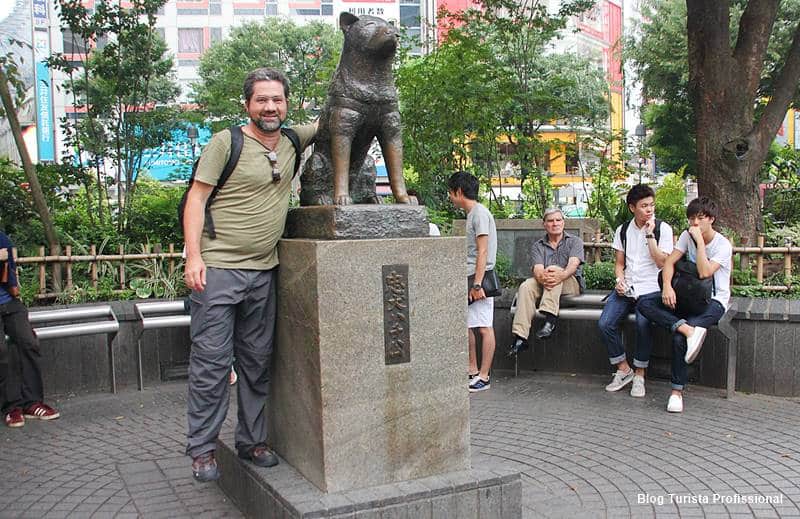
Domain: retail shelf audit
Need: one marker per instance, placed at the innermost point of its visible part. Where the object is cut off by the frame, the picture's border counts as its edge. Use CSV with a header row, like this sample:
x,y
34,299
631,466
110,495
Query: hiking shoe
x,y
637,389
478,384
675,404
204,467
41,411
620,380
517,346
694,343
259,455
14,418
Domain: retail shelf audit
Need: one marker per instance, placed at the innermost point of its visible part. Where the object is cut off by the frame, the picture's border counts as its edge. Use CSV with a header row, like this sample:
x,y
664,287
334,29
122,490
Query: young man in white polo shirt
x,y
641,249
711,252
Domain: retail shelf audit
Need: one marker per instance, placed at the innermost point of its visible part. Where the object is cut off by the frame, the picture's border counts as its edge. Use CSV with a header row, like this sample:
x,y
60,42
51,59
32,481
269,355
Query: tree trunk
x,y
27,165
731,143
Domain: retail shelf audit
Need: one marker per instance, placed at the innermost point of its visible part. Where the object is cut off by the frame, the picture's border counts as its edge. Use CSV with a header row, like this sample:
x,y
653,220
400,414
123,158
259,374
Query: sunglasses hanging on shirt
x,y
273,160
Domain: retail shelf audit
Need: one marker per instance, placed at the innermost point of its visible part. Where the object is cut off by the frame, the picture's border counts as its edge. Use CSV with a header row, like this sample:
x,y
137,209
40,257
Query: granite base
x,y
281,492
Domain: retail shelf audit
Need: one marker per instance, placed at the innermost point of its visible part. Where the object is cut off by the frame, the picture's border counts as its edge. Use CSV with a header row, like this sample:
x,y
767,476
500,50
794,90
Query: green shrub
x,y
599,276
504,271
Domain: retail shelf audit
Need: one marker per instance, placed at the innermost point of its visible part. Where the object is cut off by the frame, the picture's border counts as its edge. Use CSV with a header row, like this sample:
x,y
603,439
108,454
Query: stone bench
x,y
589,307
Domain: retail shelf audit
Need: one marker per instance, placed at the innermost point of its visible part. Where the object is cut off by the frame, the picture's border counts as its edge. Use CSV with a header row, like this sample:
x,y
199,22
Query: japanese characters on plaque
x,y
396,335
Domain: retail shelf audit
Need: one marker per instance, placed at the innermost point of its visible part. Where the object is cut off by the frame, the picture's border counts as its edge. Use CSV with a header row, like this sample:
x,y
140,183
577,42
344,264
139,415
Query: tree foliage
x,y
127,90
307,54
12,95
495,81
723,71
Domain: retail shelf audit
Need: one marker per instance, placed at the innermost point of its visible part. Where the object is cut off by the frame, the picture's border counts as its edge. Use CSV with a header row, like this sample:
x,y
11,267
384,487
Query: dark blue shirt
x,y
5,243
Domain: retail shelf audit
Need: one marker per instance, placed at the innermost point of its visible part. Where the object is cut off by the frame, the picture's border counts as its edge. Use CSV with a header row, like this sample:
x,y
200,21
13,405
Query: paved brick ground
x,y
583,453
107,456
587,453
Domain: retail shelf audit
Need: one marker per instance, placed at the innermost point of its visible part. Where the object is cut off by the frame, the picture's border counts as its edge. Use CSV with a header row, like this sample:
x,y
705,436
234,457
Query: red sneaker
x,y
41,411
14,418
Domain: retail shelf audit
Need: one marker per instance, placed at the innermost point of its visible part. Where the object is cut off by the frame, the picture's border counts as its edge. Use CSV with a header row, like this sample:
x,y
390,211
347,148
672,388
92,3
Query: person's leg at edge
x,y
487,351
473,356
527,295
253,343
19,329
706,320
644,337
644,346
655,311
480,320
551,303
211,329
615,310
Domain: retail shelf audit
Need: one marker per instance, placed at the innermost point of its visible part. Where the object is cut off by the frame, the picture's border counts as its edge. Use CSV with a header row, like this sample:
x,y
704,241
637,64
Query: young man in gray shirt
x,y
481,257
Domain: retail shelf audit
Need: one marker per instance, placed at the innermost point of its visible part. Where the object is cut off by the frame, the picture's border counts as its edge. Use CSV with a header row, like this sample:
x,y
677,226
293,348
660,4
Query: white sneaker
x,y
694,343
675,404
637,389
620,380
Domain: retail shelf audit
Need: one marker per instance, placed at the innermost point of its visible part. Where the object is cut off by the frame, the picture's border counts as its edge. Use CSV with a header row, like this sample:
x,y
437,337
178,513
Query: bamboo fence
x,y
65,263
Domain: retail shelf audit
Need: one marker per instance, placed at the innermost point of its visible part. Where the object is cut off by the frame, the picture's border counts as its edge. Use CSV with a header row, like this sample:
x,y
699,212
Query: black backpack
x,y
692,293
237,141
623,235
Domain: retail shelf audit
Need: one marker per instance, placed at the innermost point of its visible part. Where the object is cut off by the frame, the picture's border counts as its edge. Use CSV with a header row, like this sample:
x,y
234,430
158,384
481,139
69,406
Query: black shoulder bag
x,y
490,284
692,293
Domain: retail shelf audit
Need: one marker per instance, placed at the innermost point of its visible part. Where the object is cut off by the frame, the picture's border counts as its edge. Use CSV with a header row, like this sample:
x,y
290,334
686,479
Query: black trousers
x,y
22,381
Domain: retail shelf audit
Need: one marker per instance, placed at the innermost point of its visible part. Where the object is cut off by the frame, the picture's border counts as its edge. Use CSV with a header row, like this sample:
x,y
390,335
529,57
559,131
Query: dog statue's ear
x,y
346,20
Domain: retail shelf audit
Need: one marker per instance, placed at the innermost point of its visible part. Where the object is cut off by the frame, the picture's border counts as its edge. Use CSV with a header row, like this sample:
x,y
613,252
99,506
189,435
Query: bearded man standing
x,y
231,268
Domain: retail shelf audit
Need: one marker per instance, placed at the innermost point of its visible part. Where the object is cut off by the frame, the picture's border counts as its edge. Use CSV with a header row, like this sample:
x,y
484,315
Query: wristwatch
x,y
648,236
476,286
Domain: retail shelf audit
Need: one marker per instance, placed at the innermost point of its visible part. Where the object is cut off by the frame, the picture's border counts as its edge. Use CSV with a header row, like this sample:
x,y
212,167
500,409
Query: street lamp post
x,y
640,133
192,134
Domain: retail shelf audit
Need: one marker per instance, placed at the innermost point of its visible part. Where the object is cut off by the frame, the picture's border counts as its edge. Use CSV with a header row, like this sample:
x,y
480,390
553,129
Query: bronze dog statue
x,y
361,106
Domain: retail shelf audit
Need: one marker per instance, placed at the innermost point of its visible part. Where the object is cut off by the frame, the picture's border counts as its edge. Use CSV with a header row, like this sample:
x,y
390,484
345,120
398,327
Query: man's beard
x,y
267,126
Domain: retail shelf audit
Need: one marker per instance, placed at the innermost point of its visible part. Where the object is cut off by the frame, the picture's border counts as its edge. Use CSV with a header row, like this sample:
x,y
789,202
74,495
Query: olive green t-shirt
x,y
250,210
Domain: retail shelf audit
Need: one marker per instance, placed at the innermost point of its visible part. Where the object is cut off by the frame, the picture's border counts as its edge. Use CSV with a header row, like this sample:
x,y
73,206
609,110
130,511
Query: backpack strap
x,y
623,236
237,142
298,153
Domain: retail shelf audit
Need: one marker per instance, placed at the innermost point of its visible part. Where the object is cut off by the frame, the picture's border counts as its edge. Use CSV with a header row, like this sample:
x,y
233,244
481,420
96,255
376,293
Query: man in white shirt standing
x,y
642,245
711,252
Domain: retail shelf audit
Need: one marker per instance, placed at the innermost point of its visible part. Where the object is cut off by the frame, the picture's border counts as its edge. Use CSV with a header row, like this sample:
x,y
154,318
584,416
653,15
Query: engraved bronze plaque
x,y
396,335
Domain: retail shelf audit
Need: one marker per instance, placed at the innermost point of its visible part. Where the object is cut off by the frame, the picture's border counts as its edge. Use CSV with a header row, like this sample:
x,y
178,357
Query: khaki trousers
x,y
532,291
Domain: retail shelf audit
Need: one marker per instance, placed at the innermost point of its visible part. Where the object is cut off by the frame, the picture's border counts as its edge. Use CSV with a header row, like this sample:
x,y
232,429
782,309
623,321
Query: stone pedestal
x,y
341,412
356,222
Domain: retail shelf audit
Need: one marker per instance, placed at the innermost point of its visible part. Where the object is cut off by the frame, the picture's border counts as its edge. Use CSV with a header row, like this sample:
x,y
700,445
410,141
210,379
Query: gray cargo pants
x,y
234,315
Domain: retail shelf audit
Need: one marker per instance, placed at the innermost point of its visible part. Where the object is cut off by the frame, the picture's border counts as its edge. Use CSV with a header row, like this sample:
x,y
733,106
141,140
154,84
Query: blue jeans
x,y
615,311
654,309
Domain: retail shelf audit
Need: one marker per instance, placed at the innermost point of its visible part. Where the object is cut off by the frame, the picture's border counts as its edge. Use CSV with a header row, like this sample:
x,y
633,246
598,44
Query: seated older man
x,y
557,259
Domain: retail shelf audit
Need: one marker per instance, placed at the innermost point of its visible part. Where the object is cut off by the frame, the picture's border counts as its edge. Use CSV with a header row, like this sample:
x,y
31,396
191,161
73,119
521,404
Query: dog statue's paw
x,y
322,200
405,199
343,200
